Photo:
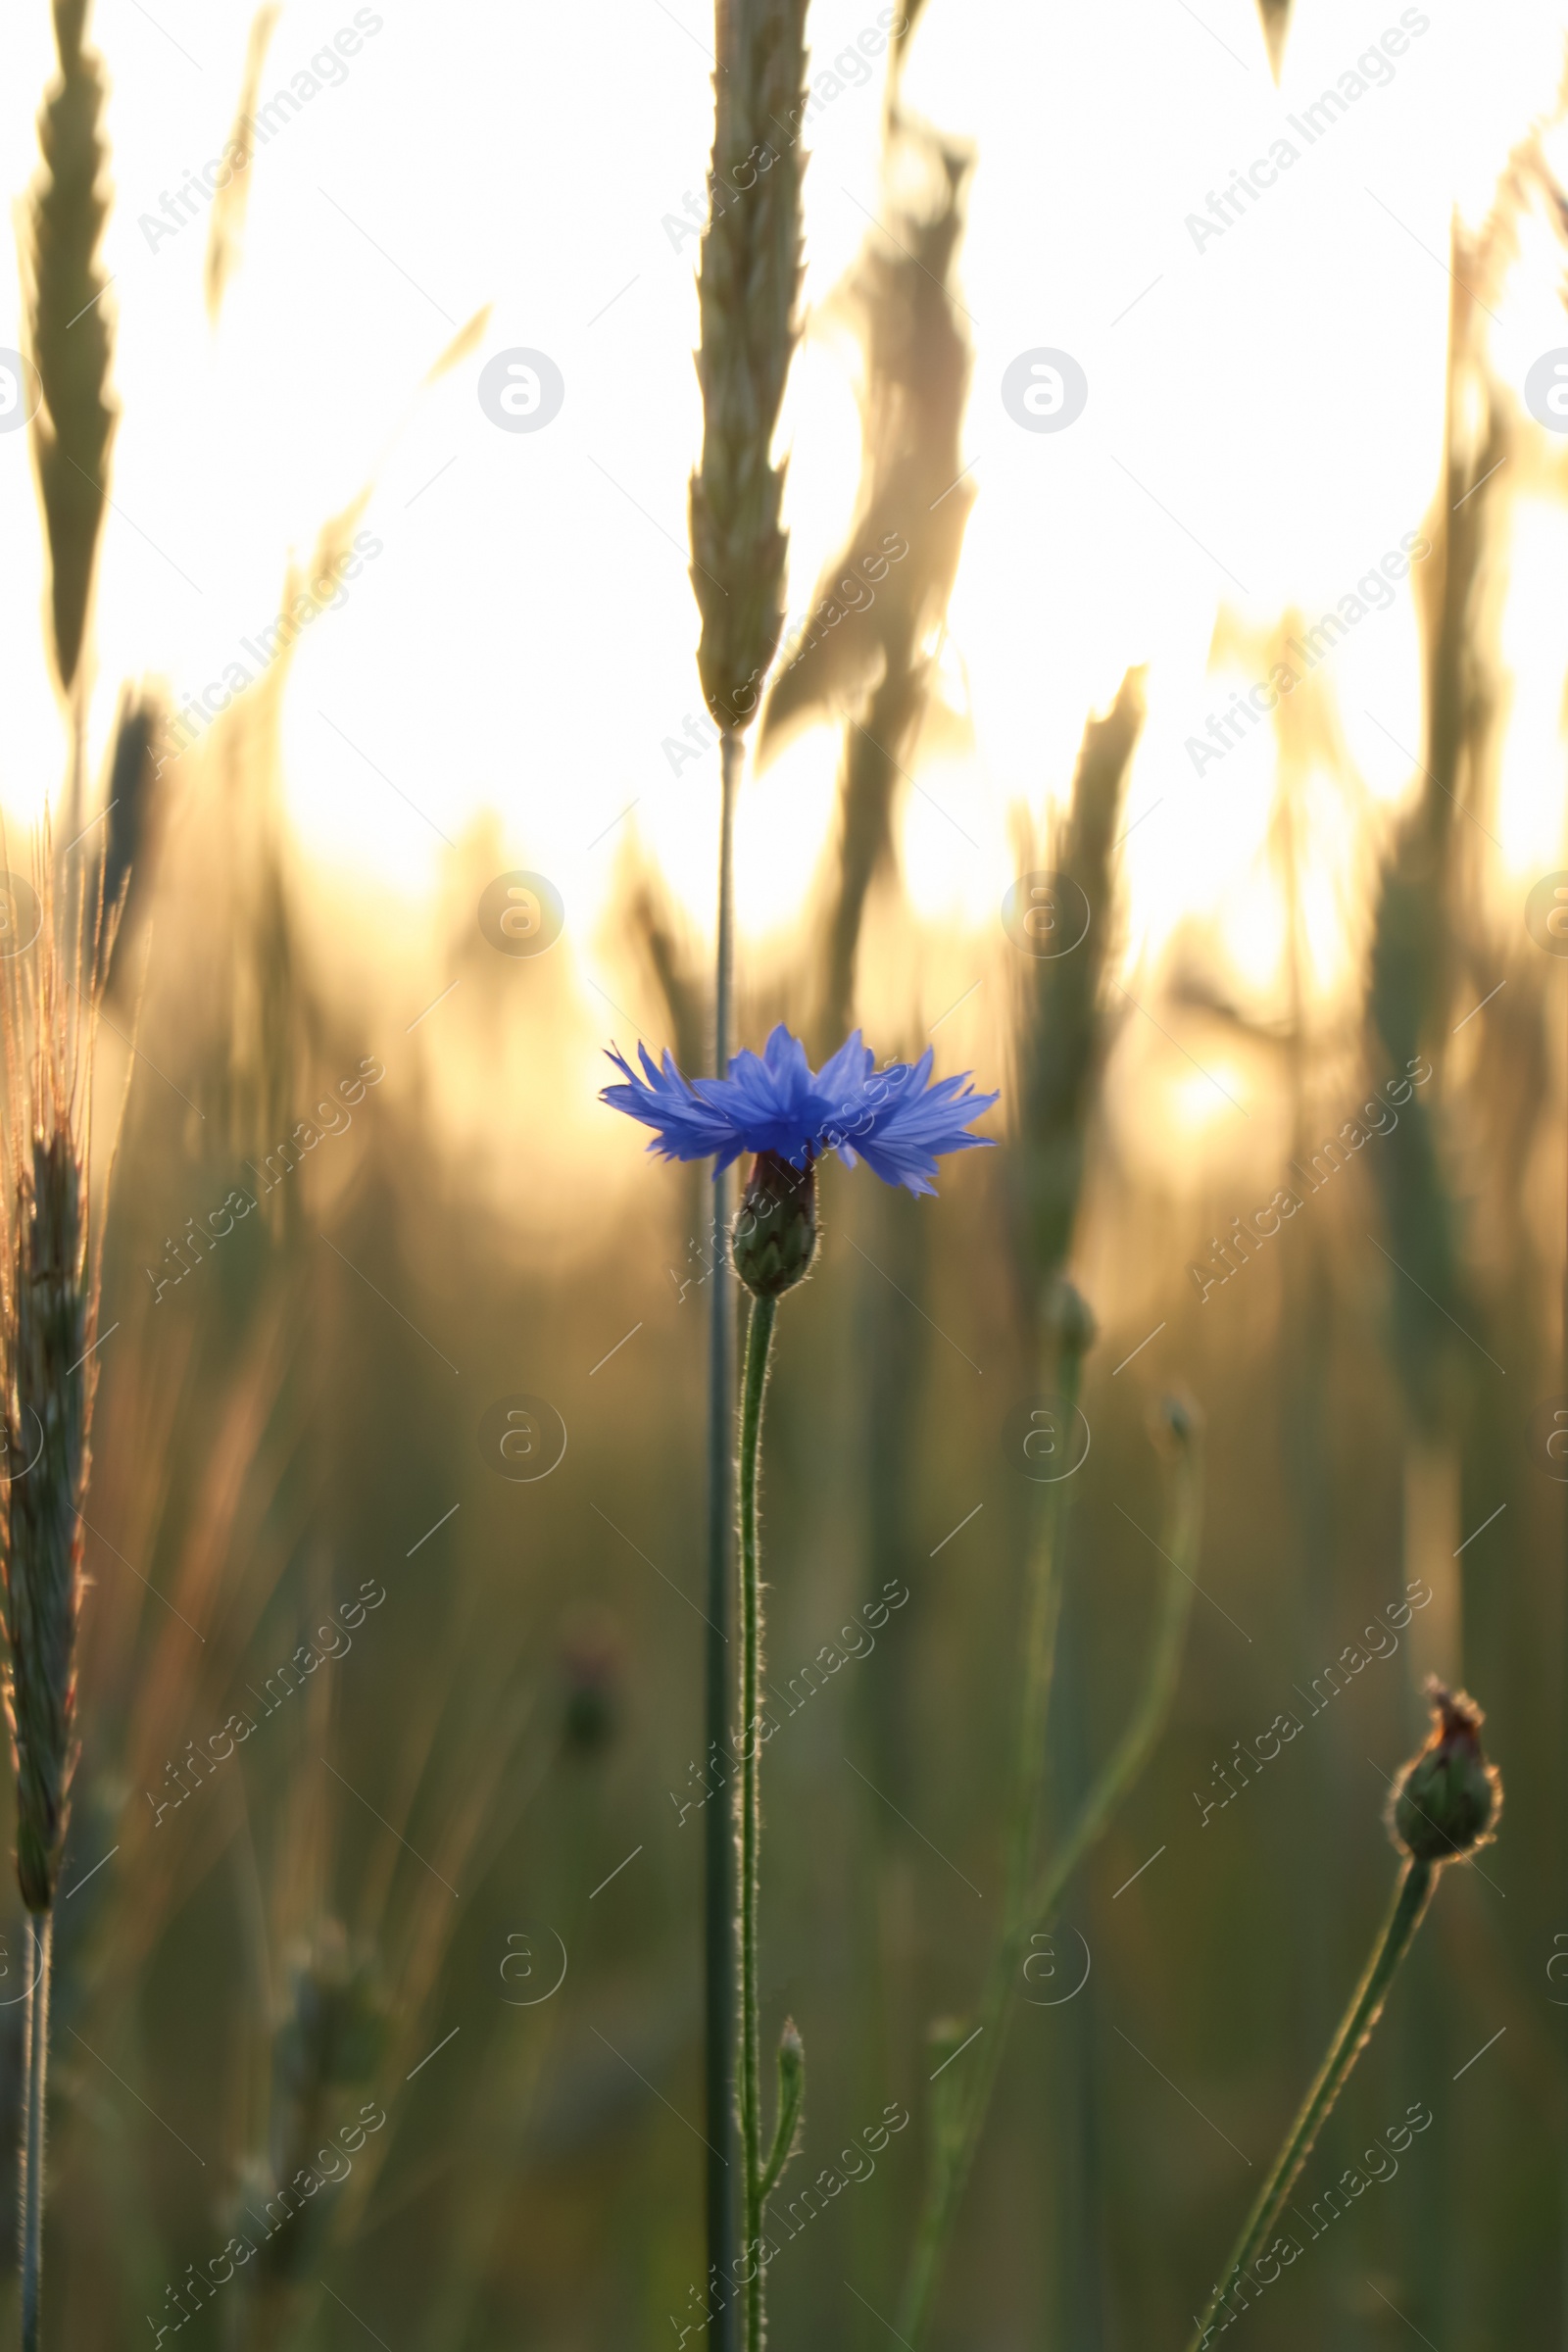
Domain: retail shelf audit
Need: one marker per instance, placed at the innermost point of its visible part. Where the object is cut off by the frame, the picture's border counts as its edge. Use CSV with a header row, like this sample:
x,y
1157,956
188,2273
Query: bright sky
x,y
1262,425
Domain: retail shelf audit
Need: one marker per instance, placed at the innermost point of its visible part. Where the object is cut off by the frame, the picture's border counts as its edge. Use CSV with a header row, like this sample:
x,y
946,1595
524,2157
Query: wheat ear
x,y
50,1308
71,344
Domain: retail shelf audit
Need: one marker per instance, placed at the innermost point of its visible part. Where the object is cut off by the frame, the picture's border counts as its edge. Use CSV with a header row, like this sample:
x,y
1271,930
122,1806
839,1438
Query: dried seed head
x,y
1449,1796
775,1236
747,289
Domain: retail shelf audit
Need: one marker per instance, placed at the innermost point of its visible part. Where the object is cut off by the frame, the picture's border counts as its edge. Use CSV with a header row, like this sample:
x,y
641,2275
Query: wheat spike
x,y
1063,1028
50,1310
71,335
748,292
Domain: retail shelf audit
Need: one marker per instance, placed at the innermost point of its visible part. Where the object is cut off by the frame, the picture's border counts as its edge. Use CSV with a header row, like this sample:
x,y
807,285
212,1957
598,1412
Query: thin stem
x,y
1032,1908
1410,1899
35,2067
1040,1665
759,1341
1148,1720
953,2152
718,1843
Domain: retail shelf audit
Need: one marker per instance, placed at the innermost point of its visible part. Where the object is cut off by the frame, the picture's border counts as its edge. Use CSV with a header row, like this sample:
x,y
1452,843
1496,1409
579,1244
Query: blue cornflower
x,y
774,1104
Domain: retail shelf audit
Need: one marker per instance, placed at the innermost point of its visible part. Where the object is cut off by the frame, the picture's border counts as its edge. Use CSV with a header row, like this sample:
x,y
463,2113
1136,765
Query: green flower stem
x,y
1355,2030
35,2070
953,2147
1184,1522
758,1341
1040,1665
1031,1904
719,1841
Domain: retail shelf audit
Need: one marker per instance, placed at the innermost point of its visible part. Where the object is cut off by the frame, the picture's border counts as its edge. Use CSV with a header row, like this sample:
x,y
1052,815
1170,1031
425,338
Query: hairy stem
x,y
758,1341
36,2069
1355,2030
718,1854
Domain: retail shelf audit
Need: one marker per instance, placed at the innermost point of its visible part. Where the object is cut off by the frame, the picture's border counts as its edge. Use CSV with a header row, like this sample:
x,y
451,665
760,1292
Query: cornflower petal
x,y
895,1119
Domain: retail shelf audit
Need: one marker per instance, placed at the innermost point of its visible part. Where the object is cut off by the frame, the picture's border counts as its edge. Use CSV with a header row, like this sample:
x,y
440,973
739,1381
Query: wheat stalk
x,y
748,294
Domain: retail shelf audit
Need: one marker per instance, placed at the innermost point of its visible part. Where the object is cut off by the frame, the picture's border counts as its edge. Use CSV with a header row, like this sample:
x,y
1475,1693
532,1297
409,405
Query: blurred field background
x,y
401,1855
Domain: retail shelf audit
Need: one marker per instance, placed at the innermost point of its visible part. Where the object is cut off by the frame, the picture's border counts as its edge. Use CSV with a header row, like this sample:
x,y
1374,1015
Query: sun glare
x,y
519,635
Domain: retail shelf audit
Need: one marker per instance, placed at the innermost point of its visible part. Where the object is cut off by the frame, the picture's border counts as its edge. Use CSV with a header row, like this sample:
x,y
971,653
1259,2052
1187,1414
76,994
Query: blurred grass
x,y
286,1434
518,1719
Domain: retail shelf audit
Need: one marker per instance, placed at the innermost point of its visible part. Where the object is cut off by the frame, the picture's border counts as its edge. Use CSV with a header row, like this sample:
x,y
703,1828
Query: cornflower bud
x,y
774,1236
1449,1796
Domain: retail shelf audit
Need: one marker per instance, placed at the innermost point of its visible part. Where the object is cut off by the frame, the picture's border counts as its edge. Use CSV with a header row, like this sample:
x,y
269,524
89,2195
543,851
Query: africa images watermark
x,y
1235,1251
325,594
239,1727
1382,1639
1373,592
760,2252
701,736
1324,2209
336,2162
858,1643
850,70
1373,70
330,1117
328,70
